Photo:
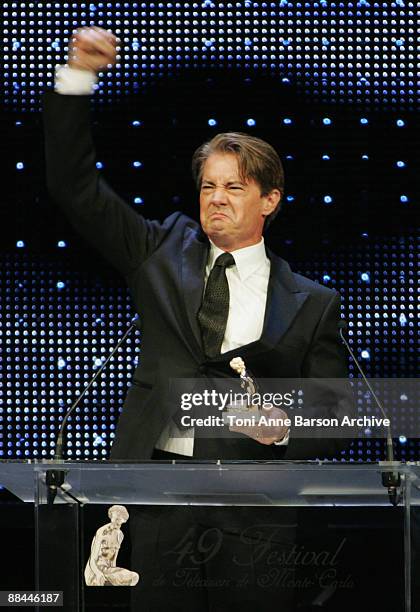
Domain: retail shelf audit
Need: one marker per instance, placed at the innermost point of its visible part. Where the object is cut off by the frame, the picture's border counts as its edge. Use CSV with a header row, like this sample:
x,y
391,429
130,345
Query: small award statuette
x,y
249,386
248,415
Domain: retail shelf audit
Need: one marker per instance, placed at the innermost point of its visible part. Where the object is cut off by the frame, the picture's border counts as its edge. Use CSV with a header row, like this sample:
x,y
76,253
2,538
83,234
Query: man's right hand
x,y
93,49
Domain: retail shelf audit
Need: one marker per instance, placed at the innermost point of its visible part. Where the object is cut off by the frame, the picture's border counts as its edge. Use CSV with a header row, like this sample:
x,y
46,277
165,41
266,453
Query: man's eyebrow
x,y
231,182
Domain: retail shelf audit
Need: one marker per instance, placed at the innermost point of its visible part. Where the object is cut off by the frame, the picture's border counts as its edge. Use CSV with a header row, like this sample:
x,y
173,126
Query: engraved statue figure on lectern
x,y
101,568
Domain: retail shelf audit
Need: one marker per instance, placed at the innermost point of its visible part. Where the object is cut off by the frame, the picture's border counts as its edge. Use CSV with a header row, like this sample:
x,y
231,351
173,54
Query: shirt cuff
x,y
74,82
284,441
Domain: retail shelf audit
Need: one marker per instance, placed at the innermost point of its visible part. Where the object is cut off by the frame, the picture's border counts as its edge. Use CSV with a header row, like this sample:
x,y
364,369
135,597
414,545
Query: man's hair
x,y
256,160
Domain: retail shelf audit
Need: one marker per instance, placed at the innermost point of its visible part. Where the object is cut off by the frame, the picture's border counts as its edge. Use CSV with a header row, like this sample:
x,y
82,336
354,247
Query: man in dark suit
x,y
198,310
206,294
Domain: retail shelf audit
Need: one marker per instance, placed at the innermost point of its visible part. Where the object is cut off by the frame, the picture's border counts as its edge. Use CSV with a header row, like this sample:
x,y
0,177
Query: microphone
x,y
55,478
58,452
390,480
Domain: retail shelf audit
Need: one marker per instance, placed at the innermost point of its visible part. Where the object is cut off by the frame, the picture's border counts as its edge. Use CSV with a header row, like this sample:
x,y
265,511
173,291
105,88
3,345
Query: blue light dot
x,y
137,164
20,244
364,121
251,122
399,43
61,363
327,121
365,156
365,277
404,198
290,198
328,199
403,319
61,244
400,123
364,235
138,200
212,122
97,362
402,439
400,164
326,278
20,166
326,157
136,123
97,440
99,165
287,121
365,354
60,285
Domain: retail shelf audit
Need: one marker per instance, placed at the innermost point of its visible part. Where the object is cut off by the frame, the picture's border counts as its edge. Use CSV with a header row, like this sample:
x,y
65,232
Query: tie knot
x,y
225,260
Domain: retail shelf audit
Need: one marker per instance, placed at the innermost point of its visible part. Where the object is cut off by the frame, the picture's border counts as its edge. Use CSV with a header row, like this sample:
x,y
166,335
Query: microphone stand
x,y
390,480
55,478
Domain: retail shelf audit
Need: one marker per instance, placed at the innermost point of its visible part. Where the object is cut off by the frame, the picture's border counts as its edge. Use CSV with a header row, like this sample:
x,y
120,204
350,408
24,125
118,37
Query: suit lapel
x,y
194,260
284,300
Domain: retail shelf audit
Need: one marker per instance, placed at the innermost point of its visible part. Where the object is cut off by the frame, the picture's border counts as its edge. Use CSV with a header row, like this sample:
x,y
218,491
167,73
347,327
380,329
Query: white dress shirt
x,y
75,82
247,280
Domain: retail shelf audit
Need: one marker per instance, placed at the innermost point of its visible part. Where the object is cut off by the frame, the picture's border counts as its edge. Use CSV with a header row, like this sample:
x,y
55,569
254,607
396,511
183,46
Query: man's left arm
x,y
325,359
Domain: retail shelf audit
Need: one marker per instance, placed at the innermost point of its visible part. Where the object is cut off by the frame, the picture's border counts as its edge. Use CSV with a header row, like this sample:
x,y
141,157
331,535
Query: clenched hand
x,y
93,49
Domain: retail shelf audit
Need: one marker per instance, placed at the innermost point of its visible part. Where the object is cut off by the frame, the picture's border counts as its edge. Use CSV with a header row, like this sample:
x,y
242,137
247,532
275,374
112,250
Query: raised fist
x,y
93,49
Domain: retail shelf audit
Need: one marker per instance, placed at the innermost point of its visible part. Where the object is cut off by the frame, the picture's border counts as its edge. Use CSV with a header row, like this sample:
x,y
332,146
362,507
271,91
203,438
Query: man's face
x,y
232,210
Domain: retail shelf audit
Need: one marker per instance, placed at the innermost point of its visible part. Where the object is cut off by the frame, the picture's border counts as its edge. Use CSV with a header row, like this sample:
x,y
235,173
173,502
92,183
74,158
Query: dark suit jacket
x,y
163,265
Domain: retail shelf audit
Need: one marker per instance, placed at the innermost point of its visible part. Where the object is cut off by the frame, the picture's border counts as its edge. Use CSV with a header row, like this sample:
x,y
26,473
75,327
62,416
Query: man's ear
x,y
270,202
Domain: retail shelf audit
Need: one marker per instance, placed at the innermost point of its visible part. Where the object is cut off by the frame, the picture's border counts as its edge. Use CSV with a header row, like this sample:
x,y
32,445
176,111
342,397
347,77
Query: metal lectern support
x,y
407,482
58,532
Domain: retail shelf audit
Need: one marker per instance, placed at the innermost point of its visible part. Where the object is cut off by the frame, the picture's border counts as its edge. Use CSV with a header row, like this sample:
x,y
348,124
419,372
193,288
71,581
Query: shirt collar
x,y
247,260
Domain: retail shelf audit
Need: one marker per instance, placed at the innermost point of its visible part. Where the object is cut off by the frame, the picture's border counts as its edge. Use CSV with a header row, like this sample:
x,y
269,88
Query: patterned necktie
x,y
214,310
